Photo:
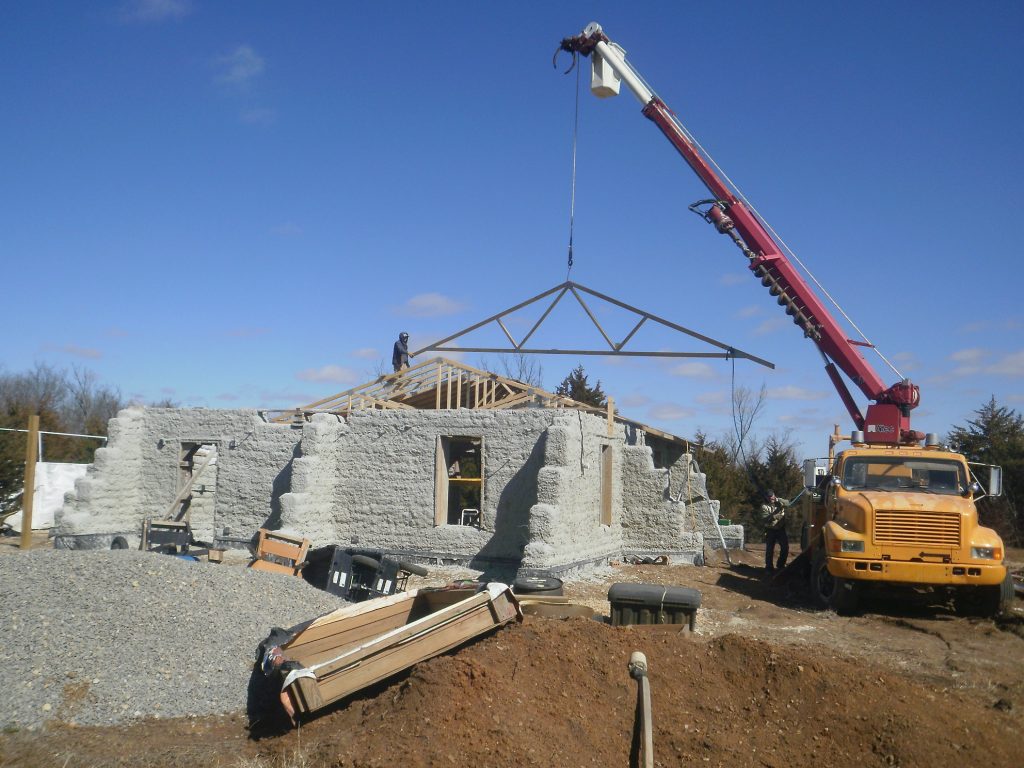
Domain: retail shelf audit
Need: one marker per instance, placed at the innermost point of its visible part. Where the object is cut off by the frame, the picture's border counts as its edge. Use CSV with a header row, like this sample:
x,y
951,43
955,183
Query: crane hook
x,y
554,59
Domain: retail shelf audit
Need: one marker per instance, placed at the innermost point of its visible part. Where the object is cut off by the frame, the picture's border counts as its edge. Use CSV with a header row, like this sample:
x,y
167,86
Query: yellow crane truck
x,y
885,515
888,510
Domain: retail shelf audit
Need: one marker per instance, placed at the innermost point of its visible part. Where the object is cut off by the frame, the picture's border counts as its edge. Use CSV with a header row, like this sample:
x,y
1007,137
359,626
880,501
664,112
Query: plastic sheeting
x,y
53,480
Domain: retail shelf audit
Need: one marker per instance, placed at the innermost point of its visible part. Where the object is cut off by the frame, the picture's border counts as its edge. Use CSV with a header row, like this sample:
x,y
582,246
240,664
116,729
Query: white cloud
x,y
771,325
153,11
974,362
1008,365
670,412
240,66
87,352
328,373
971,356
693,370
969,361
635,400
907,361
750,311
430,305
795,393
366,353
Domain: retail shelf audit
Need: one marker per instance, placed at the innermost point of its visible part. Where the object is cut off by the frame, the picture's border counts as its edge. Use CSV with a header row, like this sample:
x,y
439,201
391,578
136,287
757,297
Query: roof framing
x,y
615,349
444,384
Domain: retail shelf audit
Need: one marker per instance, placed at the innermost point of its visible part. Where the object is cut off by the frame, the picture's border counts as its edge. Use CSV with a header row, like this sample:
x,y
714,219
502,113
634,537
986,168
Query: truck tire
x,y
845,597
991,602
822,582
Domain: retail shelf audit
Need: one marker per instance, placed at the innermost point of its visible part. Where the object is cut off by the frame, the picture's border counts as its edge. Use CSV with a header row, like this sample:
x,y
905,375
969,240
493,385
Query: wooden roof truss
x,y
444,384
615,349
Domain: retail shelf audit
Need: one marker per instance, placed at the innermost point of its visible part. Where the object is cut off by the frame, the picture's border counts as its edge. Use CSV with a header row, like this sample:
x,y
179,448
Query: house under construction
x,y
441,463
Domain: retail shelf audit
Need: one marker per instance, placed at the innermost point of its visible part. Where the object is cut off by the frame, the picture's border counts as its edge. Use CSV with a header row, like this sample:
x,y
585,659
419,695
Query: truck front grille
x,y
926,529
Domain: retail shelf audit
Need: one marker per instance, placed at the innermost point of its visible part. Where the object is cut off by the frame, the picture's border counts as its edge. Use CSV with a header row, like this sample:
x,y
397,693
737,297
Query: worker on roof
x,y
400,355
774,512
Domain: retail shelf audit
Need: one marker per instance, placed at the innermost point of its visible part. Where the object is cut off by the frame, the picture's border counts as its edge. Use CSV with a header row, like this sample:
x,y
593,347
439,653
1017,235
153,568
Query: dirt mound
x,y
558,693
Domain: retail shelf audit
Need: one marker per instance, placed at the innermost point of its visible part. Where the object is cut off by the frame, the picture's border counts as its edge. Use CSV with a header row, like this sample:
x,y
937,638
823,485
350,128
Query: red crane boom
x,y
888,416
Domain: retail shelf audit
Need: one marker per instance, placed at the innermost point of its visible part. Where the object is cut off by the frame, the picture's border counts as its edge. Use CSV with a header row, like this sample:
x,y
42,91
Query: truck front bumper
x,y
936,574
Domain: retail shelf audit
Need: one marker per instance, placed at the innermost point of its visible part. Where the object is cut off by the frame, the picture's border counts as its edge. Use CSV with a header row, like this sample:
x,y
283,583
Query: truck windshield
x,y
899,473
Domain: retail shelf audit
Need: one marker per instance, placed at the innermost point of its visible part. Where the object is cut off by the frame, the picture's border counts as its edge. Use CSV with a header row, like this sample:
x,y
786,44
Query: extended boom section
x,y
888,416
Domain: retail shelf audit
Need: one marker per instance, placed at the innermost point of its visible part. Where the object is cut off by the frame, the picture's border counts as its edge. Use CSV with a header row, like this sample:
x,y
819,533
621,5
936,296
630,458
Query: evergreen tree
x,y
996,436
575,386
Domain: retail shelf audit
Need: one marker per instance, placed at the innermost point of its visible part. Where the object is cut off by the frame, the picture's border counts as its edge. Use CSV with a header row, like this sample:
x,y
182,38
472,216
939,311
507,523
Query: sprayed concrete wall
x,y
371,482
138,474
559,490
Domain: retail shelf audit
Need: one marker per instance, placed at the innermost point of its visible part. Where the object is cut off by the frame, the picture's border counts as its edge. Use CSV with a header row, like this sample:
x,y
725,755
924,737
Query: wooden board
x,y
459,617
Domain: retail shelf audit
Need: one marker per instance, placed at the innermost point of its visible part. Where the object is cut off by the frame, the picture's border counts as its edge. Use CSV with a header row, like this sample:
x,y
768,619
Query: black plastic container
x,y
653,604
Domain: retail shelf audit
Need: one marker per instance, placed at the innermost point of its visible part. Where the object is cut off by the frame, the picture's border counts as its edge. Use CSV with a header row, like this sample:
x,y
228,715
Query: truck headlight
x,y
986,553
852,546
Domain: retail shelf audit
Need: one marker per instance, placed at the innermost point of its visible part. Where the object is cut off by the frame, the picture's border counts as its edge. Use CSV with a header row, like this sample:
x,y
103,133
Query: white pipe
x,y
62,434
625,72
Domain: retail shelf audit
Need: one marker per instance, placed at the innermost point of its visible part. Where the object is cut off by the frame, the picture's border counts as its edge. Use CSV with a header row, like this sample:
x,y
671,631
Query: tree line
x,y
740,466
72,401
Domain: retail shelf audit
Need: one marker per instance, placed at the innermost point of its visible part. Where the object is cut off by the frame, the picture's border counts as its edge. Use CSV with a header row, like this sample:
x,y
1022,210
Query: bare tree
x,y
524,368
746,409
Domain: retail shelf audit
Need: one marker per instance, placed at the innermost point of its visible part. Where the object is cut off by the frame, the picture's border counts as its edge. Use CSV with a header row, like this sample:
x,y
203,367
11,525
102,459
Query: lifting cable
x,y
572,201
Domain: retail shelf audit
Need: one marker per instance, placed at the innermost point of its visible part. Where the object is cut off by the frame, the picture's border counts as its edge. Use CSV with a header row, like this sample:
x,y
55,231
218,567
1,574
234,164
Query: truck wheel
x,y
823,584
845,597
989,602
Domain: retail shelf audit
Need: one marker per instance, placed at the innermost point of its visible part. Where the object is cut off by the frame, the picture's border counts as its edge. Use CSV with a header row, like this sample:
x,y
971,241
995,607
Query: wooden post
x,y
27,496
611,416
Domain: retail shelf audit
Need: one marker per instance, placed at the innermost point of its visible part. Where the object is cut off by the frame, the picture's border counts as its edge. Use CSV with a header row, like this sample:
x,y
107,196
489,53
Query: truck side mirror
x,y
995,481
973,489
810,475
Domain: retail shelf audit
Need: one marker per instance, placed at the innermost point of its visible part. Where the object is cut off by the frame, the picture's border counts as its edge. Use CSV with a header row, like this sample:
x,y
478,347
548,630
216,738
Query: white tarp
x,y
53,480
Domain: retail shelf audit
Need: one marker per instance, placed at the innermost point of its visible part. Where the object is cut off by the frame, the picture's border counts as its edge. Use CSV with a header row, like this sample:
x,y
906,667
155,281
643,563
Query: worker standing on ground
x,y
400,355
774,511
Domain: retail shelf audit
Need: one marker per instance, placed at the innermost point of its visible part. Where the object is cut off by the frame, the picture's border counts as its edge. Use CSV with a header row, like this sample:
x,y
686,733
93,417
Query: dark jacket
x,y
400,355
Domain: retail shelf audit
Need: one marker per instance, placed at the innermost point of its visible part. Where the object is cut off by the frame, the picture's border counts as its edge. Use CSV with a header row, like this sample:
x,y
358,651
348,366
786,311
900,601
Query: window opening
x,y
459,492
606,485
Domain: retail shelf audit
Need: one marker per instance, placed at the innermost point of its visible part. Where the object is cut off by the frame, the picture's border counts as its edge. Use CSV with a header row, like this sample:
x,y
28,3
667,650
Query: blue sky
x,y
240,204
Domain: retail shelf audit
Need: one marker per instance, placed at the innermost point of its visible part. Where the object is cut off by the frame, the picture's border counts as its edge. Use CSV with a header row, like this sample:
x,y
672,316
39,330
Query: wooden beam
x,y
28,495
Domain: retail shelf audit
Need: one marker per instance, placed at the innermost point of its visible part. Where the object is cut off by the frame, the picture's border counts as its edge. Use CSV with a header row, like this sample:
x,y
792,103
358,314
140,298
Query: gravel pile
x,y
103,637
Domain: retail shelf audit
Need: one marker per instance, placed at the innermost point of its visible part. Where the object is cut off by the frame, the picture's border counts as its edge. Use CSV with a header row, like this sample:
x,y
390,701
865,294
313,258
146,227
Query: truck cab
x,y
902,515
